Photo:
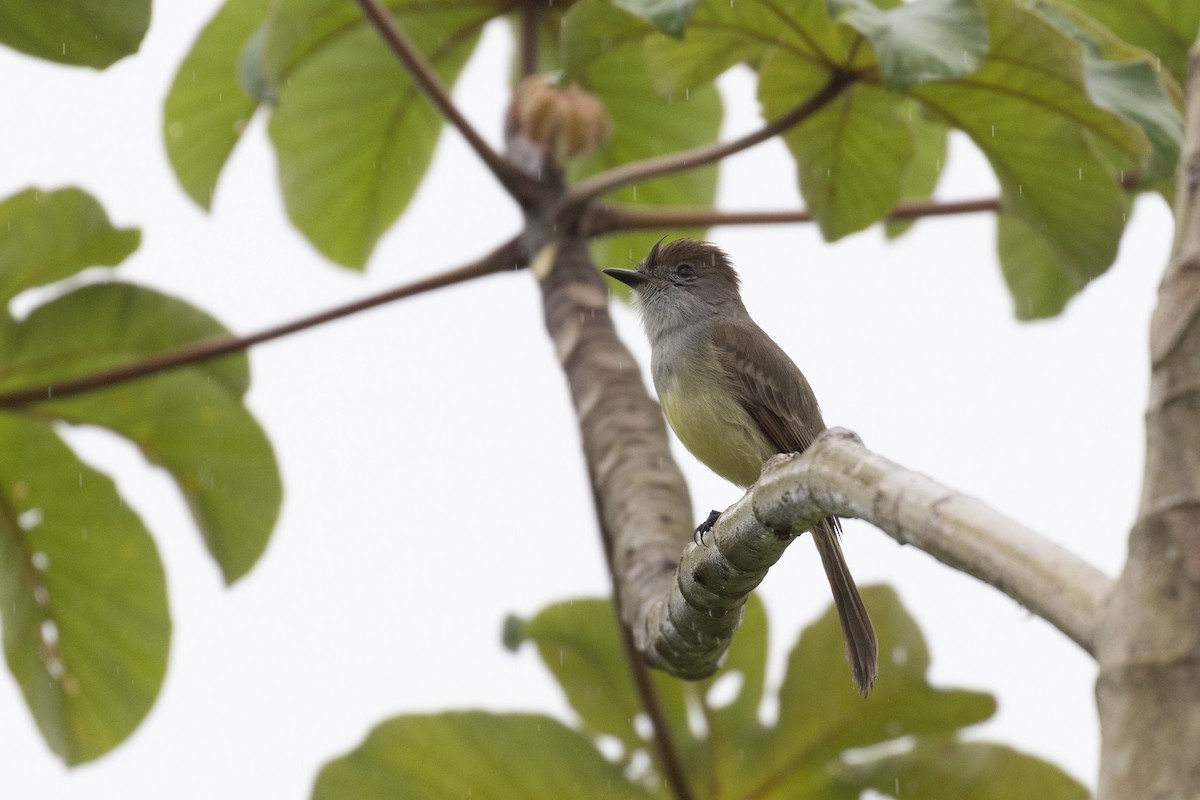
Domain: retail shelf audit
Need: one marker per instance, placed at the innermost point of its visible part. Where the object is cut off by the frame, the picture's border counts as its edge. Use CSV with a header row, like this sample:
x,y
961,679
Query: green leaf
x,y
723,34
192,421
851,155
207,107
645,125
954,770
1028,109
473,753
821,715
579,643
669,16
1039,281
733,753
81,33
353,133
51,235
83,598
1166,28
927,40
1132,89
921,175
1128,81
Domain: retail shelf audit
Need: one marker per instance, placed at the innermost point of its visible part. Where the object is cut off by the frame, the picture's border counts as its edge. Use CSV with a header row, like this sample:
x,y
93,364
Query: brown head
x,y
695,276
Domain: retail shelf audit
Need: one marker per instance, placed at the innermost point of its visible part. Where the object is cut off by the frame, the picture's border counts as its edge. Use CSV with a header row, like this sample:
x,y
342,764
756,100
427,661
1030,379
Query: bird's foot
x,y
706,526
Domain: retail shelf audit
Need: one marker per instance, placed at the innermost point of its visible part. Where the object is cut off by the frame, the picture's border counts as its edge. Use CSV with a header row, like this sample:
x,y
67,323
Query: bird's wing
x,y
770,386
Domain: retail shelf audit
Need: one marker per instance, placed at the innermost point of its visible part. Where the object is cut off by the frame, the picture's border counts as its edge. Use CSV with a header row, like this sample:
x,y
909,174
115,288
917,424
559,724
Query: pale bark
x,y
837,475
1148,692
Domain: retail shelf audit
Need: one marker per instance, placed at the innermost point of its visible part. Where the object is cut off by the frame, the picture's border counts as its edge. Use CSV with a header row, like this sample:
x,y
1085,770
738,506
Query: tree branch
x,y
837,475
515,182
507,256
844,478
601,218
529,37
577,197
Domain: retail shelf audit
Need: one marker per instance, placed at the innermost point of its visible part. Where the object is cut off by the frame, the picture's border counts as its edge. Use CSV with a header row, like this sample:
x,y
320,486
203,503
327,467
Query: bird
x,y
734,398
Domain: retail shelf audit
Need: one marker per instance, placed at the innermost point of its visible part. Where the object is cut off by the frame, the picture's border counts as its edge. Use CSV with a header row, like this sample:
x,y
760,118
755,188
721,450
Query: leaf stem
x,y
602,218
672,770
513,180
529,37
507,256
576,198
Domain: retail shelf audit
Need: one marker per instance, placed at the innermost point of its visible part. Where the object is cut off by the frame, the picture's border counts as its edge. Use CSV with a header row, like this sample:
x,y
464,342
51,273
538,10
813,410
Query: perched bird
x,y
735,399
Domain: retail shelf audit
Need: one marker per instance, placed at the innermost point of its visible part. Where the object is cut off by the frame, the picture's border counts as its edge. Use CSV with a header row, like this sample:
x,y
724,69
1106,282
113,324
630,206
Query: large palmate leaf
x,y
84,33
83,599
828,741
353,133
475,754
191,421
724,34
919,42
603,51
82,596
1165,28
852,155
1065,113
1029,111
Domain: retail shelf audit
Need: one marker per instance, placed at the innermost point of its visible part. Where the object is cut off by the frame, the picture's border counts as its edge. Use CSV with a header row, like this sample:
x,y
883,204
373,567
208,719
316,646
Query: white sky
x,y
433,481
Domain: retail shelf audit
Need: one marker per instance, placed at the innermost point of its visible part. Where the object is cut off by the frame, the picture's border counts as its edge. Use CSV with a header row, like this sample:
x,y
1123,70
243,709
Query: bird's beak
x,y
630,277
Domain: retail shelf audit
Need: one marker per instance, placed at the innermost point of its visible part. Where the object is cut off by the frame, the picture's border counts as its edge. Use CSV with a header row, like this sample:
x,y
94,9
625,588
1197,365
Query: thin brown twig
x,y
577,197
507,256
518,184
602,218
668,752
530,17
669,763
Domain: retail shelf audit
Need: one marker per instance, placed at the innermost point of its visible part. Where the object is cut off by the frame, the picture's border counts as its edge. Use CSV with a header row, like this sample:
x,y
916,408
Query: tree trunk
x,y
1148,646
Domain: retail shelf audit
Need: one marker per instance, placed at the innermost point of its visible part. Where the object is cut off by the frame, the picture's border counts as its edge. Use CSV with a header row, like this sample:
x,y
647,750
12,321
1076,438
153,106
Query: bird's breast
x,y
703,410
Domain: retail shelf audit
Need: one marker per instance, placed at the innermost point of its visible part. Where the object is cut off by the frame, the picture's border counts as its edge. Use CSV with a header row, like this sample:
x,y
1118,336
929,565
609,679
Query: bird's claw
x,y
706,526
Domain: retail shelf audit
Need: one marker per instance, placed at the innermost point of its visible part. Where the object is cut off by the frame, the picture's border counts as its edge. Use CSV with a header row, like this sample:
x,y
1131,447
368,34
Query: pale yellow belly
x,y
715,428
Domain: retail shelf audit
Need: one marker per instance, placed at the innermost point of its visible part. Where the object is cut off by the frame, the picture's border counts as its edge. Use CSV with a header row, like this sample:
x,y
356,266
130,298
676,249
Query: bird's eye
x,y
685,271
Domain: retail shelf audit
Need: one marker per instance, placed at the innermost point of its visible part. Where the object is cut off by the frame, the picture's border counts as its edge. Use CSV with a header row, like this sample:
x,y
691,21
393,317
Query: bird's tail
x,y
861,647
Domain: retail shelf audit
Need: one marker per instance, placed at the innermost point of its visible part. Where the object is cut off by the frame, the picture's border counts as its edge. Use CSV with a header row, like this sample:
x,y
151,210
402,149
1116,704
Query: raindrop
x,y
30,519
1081,173
899,655
41,596
993,131
49,632
40,561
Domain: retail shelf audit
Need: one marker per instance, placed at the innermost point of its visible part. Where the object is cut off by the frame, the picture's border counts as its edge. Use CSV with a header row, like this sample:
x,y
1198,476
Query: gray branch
x,y
687,631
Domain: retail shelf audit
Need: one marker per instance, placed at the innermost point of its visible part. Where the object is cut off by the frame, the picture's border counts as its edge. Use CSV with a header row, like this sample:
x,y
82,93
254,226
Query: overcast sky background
x,y
432,472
